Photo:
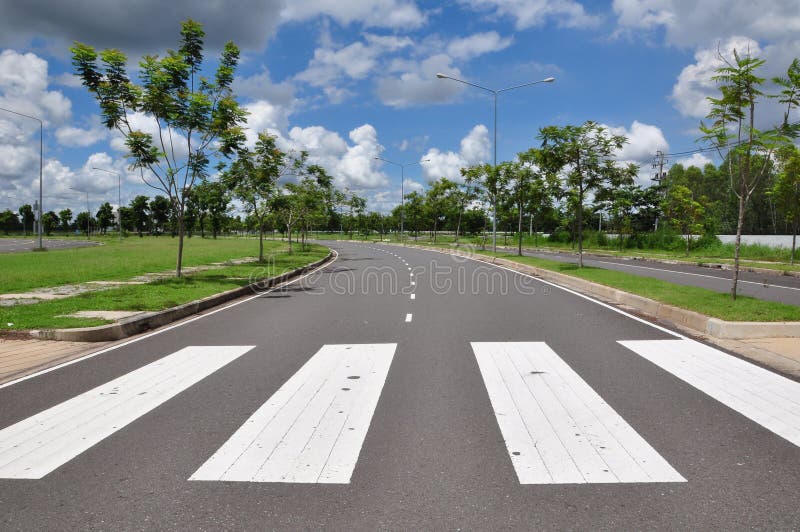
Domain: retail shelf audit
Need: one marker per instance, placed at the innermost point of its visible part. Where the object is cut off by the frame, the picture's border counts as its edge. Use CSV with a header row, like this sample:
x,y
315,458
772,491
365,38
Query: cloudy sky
x,y
349,80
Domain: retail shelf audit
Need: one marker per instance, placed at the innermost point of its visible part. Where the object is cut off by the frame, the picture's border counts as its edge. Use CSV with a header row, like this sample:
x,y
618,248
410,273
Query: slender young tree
x,y
583,157
746,150
253,179
786,191
65,217
196,118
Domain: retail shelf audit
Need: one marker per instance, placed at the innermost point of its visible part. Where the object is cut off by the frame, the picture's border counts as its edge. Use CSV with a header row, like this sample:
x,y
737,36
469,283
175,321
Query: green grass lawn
x,y
161,294
706,302
117,261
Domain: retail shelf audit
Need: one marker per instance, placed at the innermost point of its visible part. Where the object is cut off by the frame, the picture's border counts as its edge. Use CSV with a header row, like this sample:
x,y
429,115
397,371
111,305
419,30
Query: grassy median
x,y
161,294
700,300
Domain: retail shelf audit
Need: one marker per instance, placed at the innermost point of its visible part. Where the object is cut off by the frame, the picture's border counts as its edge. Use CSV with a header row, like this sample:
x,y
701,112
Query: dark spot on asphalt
x,y
537,372
354,377
345,389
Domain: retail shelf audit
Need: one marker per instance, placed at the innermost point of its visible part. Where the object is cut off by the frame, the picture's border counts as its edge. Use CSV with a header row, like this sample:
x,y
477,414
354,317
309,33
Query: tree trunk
x,y
519,232
260,241
289,233
180,246
458,225
739,225
580,226
794,242
435,219
688,236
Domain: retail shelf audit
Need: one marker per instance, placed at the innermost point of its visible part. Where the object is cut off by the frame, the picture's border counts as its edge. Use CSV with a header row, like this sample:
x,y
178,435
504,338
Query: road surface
x,y
404,389
10,245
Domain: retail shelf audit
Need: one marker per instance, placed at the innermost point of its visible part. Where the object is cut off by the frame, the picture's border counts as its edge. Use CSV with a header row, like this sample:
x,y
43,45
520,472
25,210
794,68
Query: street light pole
x,y
41,166
119,198
495,92
402,187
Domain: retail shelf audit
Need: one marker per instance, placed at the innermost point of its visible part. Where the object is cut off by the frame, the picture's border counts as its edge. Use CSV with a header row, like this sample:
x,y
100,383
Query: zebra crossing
x,y
556,428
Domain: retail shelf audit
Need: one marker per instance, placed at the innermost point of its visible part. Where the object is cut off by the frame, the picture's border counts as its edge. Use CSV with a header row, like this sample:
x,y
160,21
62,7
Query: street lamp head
x,y
441,76
548,80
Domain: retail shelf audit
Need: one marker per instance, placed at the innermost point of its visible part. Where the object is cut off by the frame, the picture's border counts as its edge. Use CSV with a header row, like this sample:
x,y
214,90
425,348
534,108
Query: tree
x,y
84,222
9,221
160,209
140,213
746,150
786,191
253,179
684,212
583,157
65,217
28,217
105,216
184,107
49,222
486,179
437,201
414,211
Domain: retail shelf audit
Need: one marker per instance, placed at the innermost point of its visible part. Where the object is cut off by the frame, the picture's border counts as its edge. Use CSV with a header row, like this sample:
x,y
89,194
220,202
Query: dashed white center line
x,y
413,296
408,318
413,283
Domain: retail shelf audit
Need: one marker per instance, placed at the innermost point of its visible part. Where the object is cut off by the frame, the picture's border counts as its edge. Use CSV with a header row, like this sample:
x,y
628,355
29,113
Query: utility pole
x,y
661,176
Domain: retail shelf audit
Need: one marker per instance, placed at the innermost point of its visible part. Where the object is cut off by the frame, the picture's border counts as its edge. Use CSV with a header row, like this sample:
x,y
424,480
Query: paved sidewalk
x,y
23,357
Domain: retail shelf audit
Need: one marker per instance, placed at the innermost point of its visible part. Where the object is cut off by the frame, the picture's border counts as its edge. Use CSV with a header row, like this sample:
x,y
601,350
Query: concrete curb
x,y
714,327
152,320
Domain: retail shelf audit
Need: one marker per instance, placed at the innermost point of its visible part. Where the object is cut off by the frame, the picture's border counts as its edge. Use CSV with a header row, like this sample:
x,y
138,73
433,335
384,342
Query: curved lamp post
x,y
495,92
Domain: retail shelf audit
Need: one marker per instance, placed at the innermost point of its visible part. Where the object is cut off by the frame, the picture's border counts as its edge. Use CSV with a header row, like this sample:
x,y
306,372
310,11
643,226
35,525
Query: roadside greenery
x,y
156,295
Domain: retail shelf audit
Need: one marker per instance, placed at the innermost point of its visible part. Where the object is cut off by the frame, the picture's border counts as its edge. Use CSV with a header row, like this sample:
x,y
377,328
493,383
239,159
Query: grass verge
x,y
158,295
118,261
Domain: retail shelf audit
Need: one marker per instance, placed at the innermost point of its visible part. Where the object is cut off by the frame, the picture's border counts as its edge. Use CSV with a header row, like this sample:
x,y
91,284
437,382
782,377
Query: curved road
x,y
405,389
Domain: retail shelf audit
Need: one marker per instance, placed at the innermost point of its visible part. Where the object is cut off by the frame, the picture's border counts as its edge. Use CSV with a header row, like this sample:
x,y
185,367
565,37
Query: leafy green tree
x,y
84,222
488,184
584,157
105,217
185,107
9,221
414,211
213,200
746,150
253,179
27,218
65,218
438,201
786,191
128,218
49,222
160,209
685,214
140,213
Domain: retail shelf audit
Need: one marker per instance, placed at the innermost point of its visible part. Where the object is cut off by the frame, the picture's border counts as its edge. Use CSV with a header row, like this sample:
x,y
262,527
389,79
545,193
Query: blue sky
x,y
350,80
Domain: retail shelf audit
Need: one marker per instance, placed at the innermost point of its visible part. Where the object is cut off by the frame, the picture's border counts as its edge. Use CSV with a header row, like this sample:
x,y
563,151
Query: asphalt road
x,y
11,245
782,289
440,435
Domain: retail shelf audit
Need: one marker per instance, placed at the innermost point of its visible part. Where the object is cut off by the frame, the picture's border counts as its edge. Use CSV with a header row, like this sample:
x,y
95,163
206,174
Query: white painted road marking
x,y
557,429
408,318
413,296
38,445
311,430
769,399
413,283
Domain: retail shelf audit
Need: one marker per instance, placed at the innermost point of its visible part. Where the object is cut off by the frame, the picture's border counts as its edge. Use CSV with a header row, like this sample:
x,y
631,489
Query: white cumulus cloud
x,y
475,148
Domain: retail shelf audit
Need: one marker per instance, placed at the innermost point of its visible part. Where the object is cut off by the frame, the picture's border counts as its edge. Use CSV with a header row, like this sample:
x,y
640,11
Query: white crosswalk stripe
x,y
769,399
39,444
557,429
312,429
